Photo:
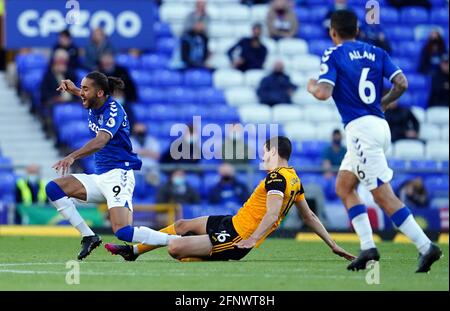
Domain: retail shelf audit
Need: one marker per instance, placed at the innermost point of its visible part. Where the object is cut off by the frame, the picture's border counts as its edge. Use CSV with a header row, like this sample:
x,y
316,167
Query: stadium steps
x,y
21,135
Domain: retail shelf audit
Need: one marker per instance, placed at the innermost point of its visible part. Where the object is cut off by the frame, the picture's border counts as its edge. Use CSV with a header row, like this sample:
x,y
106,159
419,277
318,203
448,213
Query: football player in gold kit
x,y
233,237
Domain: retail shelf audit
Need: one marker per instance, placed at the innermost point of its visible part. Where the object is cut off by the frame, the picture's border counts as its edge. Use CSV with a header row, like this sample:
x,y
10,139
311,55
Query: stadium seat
x,y
73,131
221,30
438,115
7,184
424,164
318,46
180,95
67,112
222,45
30,61
259,12
273,58
255,114
317,12
397,164
227,78
174,12
197,78
128,61
143,77
235,13
444,132
271,45
291,47
162,30
300,132
167,78
389,16
152,95
253,77
429,132
219,61
437,150
405,63
303,97
418,81
31,81
437,185
421,32
154,61
400,33
419,113
321,114
439,16
311,148
311,31
306,63
283,113
325,130
210,96
406,49
5,164
409,149
166,45
240,96
414,15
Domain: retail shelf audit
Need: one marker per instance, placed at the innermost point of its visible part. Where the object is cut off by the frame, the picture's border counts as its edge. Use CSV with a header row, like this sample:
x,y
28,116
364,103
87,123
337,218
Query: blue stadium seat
x,y
162,30
81,73
88,165
27,62
152,95
167,78
397,164
406,49
313,148
154,61
311,31
73,131
414,15
439,3
166,45
400,33
405,63
317,47
142,77
32,79
421,98
418,82
5,164
7,184
180,95
195,181
210,96
309,178
64,113
389,16
142,112
399,179
439,16
437,185
197,78
128,61
424,164
225,113
304,15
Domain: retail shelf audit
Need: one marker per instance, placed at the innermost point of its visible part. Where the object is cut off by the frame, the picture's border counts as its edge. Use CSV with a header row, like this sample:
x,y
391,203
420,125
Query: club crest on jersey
x,y
111,122
100,120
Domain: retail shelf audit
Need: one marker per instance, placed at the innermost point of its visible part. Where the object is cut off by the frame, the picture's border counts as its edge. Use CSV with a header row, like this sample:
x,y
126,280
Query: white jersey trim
x,y
107,132
275,192
394,74
326,81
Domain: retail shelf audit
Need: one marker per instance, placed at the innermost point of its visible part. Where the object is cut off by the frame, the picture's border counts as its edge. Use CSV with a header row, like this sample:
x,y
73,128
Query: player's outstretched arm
x,y
321,91
274,203
69,86
313,222
400,85
89,148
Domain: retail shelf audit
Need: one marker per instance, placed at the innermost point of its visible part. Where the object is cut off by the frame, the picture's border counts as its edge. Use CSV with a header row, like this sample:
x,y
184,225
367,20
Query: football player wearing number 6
x,y
113,181
232,237
352,72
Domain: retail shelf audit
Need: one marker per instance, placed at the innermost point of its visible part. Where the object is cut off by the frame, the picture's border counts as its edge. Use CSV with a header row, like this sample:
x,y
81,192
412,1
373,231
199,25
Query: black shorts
x,y
223,235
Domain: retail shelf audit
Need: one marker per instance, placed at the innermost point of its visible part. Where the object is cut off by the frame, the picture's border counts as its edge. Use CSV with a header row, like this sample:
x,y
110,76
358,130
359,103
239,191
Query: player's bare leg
x,y
196,226
346,186
190,247
59,192
405,222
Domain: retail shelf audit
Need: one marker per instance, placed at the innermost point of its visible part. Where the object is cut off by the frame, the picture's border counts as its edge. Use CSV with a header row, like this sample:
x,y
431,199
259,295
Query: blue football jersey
x,y
356,70
117,153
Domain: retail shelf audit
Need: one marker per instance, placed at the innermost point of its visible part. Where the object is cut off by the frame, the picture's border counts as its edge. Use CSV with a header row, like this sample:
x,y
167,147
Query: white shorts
x,y
115,187
368,138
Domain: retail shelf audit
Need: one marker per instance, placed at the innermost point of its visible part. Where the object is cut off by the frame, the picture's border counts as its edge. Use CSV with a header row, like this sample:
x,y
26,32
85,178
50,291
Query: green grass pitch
x,y
39,263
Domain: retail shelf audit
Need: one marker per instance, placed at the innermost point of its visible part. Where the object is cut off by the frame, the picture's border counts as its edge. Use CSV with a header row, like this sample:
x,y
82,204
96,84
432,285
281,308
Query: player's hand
x,y
311,87
342,252
63,165
67,86
248,243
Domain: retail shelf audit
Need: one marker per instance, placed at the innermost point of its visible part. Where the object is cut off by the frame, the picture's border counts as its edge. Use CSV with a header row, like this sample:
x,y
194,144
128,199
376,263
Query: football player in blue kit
x,y
352,72
113,181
